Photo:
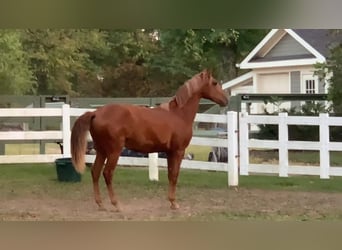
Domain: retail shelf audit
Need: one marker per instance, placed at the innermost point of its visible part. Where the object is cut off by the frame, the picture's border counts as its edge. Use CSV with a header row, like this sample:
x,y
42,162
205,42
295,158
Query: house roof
x,y
287,47
320,39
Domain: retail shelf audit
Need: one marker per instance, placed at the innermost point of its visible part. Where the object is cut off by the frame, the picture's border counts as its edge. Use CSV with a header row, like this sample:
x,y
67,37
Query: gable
x,y
282,47
285,49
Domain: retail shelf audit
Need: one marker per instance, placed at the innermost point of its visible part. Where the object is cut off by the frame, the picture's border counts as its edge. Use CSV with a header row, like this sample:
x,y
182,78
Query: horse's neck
x,y
188,111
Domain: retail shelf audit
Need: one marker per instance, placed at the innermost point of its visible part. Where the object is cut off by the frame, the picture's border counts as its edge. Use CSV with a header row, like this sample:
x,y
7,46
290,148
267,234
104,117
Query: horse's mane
x,y
186,91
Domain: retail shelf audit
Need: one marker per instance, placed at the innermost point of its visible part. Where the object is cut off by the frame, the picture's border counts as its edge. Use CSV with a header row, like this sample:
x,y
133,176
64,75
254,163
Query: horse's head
x,y
211,89
204,85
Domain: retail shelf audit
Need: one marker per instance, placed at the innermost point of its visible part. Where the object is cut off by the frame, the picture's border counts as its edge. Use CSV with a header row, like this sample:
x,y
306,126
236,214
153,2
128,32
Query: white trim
x,y
238,80
285,63
289,82
255,81
258,47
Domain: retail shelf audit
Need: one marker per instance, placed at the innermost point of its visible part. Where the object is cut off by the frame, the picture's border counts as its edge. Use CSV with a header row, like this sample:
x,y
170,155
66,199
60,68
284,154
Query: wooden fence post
x,y
244,137
66,130
153,171
283,148
232,136
324,154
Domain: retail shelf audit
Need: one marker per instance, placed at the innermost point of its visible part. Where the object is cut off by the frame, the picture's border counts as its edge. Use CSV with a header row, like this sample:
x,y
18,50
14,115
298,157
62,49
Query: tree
x,y
184,52
125,71
187,51
58,56
332,70
15,76
118,63
335,67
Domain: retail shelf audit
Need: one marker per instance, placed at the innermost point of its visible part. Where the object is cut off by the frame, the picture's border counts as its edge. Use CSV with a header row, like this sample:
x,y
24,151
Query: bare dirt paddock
x,y
198,205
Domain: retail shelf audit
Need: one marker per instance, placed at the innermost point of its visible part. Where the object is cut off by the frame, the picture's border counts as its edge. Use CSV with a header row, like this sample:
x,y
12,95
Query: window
x,y
309,84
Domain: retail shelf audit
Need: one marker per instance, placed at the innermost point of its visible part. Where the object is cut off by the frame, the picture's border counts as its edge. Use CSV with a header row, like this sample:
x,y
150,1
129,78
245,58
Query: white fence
x,y
238,143
283,145
153,162
60,135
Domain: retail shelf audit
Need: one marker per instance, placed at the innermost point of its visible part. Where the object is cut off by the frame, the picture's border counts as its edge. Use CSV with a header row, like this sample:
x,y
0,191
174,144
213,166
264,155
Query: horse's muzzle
x,y
223,102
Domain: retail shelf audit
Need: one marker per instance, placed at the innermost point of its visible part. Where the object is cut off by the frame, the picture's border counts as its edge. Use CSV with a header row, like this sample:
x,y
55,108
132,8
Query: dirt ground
x,y
197,205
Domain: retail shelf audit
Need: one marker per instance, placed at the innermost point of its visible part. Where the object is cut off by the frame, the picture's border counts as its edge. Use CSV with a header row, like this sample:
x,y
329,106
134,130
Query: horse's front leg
x,y
174,160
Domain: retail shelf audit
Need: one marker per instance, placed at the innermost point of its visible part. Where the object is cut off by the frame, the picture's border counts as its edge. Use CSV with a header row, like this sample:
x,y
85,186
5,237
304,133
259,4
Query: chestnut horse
x,y
167,128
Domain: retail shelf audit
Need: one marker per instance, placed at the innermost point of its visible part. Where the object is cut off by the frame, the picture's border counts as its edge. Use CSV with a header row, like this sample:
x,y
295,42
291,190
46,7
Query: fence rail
x,y
237,142
153,162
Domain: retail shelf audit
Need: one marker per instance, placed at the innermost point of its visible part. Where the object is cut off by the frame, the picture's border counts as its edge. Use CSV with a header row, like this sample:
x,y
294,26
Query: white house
x,y
283,62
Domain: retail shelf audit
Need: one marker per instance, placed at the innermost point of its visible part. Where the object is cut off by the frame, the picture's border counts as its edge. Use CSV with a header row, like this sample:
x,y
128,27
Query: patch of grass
x,y
295,183
336,158
262,216
224,216
23,177
296,157
33,179
29,172
201,153
304,157
31,148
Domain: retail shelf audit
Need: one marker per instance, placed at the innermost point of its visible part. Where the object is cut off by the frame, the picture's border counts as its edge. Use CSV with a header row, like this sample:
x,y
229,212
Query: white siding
x,y
272,83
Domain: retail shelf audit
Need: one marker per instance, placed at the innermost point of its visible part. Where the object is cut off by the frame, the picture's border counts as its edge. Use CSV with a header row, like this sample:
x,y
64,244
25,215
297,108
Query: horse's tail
x,y
79,140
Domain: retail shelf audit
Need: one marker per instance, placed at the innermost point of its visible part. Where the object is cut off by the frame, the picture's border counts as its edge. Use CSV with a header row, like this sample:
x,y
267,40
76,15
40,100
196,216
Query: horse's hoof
x,y
117,209
102,209
174,206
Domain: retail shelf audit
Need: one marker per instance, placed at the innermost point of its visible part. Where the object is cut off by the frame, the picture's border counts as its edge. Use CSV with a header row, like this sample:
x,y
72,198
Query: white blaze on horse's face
x,y
213,91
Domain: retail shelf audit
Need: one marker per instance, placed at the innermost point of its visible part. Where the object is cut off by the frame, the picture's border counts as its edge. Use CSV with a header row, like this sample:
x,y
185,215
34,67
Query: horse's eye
x,y
214,83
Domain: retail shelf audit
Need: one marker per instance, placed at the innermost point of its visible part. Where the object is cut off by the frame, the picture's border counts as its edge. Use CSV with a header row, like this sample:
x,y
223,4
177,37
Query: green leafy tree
x,y
333,70
335,89
59,56
120,63
15,75
180,53
125,71
184,52
187,51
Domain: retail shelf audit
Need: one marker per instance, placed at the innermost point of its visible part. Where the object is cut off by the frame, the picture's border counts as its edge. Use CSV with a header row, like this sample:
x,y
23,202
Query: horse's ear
x,y
206,74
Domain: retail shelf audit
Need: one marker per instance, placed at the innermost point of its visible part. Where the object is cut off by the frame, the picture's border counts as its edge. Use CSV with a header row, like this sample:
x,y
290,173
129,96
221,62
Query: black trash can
x,y
66,171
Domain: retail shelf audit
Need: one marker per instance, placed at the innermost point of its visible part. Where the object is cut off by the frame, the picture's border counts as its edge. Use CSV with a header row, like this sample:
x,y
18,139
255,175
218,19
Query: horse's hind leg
x,y
108,175
174,160
95,173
